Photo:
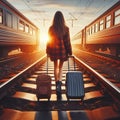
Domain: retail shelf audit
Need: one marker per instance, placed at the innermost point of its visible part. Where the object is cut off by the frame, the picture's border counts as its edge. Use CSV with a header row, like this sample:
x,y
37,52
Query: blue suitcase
x,y
74,84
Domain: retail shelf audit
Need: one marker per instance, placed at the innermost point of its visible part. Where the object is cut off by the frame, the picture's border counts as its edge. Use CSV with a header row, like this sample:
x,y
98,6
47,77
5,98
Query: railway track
x,y
108,67
12,65
17,95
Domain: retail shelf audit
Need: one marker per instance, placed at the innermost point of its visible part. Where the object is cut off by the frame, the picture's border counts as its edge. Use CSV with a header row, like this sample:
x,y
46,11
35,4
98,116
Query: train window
x,y
31,31
26,28
1,16
87,33
15,22
117,17
96,27
9,19
21,25
101,25
90,30
108,21
93,29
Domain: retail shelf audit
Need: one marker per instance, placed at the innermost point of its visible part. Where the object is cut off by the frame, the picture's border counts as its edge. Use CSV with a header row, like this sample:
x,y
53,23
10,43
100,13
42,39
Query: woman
x,y
58,47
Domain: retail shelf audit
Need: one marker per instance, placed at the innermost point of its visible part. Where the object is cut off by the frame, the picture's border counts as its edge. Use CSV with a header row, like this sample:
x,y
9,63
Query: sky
x,y
77,13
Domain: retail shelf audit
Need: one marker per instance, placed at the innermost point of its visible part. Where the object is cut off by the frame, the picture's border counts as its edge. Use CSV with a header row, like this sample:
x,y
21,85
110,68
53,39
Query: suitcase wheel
x,y
38,99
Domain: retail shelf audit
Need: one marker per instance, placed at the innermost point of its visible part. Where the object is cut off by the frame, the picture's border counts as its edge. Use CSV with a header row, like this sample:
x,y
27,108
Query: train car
x,y
79,39
103,34
16,31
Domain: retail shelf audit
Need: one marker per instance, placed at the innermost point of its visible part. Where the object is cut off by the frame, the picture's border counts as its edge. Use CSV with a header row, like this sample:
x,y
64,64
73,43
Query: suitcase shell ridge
x,y
74,85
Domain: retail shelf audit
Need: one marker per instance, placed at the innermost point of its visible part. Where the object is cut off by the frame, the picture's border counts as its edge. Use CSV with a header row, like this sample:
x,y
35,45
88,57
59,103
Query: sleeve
x,y
67,42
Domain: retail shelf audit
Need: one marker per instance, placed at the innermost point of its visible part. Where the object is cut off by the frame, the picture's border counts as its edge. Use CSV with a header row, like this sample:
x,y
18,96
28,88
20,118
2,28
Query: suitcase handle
x,y
47,65
71,56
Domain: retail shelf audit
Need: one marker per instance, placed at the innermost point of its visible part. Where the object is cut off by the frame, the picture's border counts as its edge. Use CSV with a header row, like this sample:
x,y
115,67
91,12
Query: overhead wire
x,y
34,11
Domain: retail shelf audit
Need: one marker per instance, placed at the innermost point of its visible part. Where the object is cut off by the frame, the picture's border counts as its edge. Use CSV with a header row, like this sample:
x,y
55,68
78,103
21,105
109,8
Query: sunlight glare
x,y
43,40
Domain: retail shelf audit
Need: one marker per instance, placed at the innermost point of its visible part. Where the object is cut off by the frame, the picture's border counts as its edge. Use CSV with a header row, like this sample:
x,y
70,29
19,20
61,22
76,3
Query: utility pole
x,y
73,18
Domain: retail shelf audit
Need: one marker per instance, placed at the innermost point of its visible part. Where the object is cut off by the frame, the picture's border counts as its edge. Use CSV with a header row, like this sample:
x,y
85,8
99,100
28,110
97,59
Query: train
x,y
16,31
103,34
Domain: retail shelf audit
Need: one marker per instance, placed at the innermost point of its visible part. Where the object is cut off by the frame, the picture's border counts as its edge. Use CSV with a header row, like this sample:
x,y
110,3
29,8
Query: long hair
x,y
59,25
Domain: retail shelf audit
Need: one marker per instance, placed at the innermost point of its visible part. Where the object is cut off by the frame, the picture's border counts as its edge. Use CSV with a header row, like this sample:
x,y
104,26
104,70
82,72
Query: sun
x,y
43,40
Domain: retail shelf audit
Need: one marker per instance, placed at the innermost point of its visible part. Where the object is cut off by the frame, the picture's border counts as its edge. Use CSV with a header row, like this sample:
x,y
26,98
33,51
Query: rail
x,y
113,90
5,87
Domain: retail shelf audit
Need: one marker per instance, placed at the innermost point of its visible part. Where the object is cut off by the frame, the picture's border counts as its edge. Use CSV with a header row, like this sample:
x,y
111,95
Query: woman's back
x,y
58,47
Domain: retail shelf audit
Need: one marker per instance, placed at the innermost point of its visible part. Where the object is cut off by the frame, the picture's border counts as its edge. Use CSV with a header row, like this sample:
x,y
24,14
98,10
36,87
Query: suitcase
x,y
74,83
43,85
